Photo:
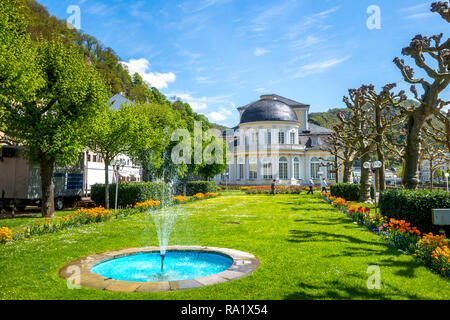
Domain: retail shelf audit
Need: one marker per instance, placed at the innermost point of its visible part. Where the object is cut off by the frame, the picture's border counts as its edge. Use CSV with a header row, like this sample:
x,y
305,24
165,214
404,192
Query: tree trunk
x,y
347,172
336,168
107,183
381,172
365,184
47,166
431,175
412,151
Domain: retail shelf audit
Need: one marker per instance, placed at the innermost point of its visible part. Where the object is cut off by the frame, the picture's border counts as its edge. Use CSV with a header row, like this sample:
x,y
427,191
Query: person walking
x,y
311,186
324,185
273,187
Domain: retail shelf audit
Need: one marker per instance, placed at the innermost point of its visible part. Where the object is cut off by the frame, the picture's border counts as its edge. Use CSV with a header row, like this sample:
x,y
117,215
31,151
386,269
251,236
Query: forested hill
x,y
330,118
42,25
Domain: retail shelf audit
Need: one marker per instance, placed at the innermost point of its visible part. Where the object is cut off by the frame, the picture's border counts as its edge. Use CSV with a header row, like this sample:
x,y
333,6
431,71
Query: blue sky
x,y
221,54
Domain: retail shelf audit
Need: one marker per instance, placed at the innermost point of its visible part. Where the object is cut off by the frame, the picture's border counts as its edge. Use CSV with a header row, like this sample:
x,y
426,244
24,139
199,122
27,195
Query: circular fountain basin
x,y
139,269
178,265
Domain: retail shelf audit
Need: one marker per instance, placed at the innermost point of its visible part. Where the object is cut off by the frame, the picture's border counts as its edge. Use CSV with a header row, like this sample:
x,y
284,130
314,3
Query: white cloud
x,y
308,42
260,51
318,67
156,79
220,115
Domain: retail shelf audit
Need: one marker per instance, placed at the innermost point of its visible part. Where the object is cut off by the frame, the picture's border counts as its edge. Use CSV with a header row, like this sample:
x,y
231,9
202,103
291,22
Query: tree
x,y
19,72
440,132
435,158
49,123
386,117
129,130
359,126
341,146
419,48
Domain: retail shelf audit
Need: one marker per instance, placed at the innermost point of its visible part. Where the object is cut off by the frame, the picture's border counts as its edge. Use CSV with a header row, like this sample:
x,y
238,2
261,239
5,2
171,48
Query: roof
x,y
268,108
118,100
289,102
315,129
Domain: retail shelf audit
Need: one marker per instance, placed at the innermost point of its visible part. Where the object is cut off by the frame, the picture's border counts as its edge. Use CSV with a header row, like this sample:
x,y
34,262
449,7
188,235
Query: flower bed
x,y
85,216
432,250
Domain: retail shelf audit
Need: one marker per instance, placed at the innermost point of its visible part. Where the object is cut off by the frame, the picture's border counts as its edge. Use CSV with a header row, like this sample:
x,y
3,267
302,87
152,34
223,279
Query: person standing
x,y
311,186
324,185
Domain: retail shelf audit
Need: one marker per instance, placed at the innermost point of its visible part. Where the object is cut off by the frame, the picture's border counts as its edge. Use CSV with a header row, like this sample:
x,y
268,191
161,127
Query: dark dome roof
x,y
268,110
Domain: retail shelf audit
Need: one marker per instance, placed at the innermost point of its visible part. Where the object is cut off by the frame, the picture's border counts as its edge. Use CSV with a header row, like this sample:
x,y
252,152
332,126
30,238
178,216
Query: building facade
x,y
275,141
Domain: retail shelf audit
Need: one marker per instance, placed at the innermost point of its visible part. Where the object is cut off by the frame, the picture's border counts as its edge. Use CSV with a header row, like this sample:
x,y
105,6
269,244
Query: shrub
x,y
348,191
195,187
268,189
414,206
131,193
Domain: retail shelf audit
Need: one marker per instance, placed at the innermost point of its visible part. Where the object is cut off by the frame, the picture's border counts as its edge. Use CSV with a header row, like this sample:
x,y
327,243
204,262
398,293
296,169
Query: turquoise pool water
x,y
178,265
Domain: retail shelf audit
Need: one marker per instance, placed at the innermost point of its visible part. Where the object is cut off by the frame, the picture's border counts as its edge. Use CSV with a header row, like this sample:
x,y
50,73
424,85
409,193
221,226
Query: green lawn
x,y
307,250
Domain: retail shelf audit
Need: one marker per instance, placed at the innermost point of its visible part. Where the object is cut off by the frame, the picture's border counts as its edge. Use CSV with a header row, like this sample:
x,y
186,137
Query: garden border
x,y
243,264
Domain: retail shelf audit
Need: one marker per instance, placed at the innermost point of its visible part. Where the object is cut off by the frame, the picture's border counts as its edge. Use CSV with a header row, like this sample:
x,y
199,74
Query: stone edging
x,y
243,265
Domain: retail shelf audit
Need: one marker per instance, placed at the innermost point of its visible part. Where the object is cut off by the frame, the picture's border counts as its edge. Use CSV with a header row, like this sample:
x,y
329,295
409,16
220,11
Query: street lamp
x,y
374,166
446,178
117,165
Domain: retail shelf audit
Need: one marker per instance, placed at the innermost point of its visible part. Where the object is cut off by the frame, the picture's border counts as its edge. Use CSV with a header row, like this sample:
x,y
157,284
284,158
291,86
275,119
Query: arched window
x,y
297,168
267,169
315,168
283,168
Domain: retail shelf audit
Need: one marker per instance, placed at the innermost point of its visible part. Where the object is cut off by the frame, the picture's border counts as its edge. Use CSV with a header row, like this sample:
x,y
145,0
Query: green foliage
x,y
414,206
348,191
19,72
131,193
52,120
194,187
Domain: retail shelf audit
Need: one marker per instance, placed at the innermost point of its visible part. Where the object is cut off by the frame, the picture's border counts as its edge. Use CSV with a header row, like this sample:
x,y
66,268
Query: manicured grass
x,y
307,250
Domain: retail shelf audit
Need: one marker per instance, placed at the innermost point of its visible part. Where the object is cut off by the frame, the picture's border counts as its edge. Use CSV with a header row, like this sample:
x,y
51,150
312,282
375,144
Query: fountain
x,y
164,267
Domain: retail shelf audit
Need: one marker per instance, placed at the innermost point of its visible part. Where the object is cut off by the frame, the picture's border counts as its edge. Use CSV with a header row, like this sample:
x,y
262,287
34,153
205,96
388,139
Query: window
x,y
292,137
267,170
283,168
246,140
269,137
315,168
297,168
281,137
253,171
94,158
241,171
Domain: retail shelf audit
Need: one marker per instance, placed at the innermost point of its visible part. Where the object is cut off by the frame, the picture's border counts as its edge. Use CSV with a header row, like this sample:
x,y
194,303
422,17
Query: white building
x,y
274,140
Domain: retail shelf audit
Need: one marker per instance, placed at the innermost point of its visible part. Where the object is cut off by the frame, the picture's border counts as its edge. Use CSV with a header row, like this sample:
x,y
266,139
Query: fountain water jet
x,y
164,220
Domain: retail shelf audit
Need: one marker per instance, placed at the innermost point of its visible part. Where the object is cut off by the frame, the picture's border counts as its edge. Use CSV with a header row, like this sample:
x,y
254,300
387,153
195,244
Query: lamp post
x,y
446,178
117,165
374,166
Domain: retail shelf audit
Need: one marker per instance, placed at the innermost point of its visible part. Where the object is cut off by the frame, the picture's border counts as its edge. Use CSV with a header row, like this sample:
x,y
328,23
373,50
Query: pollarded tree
x,y
387,118
50,122
359,126
341,146
435,158
429,101
440,132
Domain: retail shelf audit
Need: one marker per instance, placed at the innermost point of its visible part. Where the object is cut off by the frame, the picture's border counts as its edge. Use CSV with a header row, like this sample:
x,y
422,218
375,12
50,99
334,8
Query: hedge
x,y
194,187
414,206
131,193
348,191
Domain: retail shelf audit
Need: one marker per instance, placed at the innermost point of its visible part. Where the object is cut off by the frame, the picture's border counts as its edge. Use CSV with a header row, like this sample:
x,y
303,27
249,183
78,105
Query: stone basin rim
x,y
243,264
